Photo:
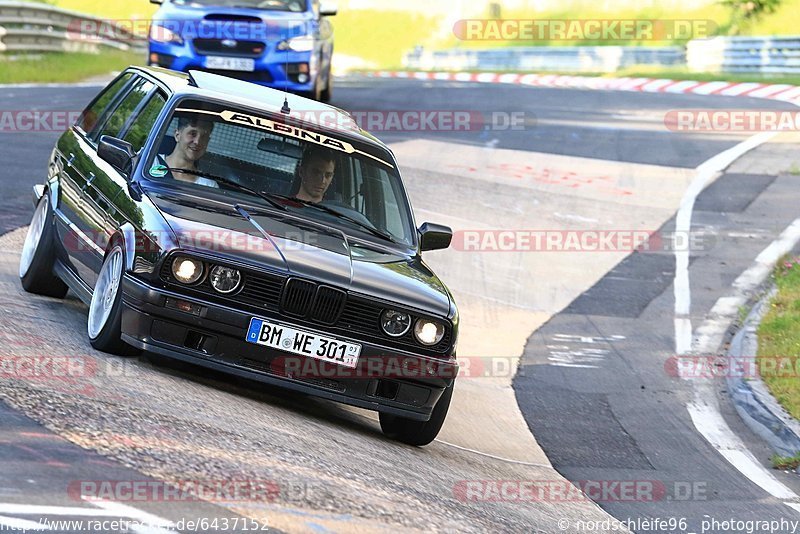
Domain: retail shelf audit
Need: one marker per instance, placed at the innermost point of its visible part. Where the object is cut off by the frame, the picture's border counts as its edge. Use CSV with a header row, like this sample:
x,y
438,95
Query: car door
x,y
72,157
133,118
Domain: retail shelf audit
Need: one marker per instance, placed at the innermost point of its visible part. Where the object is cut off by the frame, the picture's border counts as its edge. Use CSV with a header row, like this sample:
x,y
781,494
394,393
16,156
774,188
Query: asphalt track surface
x,y
621,420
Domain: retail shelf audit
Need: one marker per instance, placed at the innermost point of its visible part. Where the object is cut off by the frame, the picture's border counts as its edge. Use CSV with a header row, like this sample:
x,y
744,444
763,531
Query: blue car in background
x,y
284,44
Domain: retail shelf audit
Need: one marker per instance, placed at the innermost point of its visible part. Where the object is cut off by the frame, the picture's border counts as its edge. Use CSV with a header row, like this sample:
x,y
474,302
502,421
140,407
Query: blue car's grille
x,y
239,48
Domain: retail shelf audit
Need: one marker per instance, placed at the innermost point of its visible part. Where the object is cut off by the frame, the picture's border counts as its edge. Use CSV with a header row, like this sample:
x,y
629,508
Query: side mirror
x,y
328,10
434,236
159,2
118,153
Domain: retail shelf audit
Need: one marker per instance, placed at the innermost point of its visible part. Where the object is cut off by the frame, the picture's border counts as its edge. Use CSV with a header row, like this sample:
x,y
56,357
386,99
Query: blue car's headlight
x,y
304,43
162,34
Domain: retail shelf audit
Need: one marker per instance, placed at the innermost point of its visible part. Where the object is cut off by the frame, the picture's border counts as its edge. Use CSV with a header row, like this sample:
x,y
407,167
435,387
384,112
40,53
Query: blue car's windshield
x,y
271,5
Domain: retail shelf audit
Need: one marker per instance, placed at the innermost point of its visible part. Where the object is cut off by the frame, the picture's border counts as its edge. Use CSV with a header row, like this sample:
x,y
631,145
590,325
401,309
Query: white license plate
x,y
231,63
289,339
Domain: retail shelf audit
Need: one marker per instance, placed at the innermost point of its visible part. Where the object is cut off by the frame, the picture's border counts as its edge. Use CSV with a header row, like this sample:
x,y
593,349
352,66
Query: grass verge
x,y
779,339
64,67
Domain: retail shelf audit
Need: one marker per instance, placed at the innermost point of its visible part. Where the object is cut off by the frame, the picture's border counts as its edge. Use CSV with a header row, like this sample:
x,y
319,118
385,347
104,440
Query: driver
x,y
314,174
191,141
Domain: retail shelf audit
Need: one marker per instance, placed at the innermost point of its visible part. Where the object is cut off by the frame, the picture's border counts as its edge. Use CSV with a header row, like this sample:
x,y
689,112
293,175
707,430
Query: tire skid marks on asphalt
x,y
562,353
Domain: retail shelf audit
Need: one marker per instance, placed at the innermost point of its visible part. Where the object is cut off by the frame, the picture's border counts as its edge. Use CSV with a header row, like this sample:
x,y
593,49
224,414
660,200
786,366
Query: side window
x,y
116,122
143,124
92,114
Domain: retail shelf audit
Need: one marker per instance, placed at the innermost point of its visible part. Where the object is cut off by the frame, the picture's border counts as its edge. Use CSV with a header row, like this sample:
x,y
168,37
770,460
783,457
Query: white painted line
x,y
121,510
793,505
713,427
32,509
683,335
705,172
20,524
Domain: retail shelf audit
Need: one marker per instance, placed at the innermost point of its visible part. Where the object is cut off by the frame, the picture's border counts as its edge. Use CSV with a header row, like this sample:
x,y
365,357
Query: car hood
x,y
196,20
299,247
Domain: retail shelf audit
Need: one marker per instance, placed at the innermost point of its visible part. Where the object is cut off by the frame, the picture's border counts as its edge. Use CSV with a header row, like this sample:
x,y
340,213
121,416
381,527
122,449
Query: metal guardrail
x,y
767,55
758,55
35,27
541,58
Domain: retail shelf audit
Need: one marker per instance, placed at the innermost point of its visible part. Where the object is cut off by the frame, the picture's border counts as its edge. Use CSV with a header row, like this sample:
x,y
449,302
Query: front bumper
x,y
215,338
270,68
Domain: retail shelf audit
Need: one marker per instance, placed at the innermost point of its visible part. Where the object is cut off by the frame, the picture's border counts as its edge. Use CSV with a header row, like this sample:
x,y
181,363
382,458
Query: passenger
x,y
314,174
191,142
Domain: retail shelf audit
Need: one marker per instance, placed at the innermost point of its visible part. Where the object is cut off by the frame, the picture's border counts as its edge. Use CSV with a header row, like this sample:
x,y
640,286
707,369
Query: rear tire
x,y
417,433
104,324
38,255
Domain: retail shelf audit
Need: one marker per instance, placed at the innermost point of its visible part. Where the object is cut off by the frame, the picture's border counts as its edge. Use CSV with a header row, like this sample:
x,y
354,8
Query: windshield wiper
x,y
371,229
237,185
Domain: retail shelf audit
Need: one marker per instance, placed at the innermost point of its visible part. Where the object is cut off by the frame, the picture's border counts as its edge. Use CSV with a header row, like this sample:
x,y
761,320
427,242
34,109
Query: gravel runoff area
x,y
331,463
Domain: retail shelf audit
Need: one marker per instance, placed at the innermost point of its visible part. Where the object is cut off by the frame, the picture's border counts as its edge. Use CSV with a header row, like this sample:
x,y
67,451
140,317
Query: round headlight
x,y
428,332
225,279
186,270
395,323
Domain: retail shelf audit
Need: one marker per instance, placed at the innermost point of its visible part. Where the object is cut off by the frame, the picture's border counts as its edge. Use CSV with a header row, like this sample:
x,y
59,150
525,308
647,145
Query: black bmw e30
x,y
222,223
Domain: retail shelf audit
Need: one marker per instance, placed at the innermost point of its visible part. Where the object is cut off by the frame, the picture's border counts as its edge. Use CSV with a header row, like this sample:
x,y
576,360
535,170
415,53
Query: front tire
x,y
327,93
38,255
418,433
104,324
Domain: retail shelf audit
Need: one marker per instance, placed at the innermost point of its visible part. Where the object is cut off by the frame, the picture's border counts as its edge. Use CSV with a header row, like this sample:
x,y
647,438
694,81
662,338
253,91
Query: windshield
x,y
216,148
271,5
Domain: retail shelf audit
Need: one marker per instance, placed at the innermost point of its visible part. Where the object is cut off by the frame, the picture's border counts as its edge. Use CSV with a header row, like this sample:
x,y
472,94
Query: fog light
x,y
225,279
302,78
428,332
186,270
